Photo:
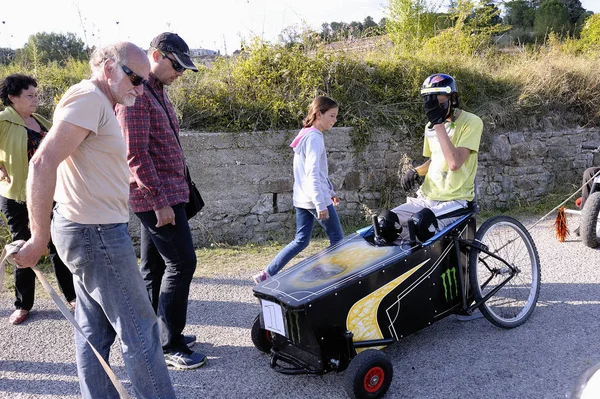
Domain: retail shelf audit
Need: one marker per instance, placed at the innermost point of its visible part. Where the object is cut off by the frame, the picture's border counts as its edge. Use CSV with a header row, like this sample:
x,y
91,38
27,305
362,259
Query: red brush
x,y
560,225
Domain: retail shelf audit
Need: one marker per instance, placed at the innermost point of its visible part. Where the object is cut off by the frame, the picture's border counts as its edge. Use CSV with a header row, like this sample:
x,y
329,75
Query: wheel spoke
x,y
512,304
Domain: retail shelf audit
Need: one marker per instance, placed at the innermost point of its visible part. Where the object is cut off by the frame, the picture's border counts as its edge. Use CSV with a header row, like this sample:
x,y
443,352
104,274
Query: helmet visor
x,y
436,90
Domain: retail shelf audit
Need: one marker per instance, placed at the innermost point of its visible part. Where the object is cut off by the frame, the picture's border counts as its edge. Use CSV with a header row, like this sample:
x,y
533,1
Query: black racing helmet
x,y
425,223
389,226
441,83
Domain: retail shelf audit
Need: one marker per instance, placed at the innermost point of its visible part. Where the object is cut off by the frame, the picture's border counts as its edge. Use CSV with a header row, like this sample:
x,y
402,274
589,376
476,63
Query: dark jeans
x,y
18,224
587,175
168,262
305,220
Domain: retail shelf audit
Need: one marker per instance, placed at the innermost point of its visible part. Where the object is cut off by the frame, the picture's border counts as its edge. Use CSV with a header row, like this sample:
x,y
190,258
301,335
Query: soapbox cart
x,y
334,310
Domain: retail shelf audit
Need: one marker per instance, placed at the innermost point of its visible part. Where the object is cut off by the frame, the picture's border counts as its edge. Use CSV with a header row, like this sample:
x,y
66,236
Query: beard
x,y
127,99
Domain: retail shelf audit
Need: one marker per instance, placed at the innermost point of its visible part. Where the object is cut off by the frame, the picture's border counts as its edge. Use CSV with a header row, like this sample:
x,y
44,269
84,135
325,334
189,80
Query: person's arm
x,y
455,157
4,174
424,168
314,148
135,124
60,142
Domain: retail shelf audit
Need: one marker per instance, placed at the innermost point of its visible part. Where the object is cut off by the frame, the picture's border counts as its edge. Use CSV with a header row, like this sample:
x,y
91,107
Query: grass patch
x,y
235,260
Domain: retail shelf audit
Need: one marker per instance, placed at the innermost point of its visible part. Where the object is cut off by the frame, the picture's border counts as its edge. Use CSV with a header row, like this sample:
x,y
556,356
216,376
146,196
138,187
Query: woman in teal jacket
x,y
21,132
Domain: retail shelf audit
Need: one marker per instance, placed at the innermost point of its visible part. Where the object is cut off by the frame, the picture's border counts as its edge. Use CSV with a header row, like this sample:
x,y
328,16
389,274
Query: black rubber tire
x,y
590,227
261,338
508,239
369,375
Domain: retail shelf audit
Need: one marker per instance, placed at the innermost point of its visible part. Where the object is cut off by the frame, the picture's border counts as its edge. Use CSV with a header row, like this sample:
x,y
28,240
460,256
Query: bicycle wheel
x,y
508,239
590,224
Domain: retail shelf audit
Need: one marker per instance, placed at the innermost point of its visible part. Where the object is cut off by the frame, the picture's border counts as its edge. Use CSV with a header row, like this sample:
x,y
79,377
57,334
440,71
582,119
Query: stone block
x,y
276,185
500,148
264,205
352,181
251,220
516,138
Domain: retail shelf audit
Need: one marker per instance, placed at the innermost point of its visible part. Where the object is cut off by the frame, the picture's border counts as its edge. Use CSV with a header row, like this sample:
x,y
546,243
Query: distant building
x,y
202,52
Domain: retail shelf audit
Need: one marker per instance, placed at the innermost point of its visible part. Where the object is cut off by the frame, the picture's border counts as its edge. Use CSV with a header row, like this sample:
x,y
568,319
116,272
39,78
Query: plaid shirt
x,y
156,160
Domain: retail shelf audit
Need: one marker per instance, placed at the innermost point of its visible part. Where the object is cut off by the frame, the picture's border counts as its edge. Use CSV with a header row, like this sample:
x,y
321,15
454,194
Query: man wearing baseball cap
x,y
158,194
168,42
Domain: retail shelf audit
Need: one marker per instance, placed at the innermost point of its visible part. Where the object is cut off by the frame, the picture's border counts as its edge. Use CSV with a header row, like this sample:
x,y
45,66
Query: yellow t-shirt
x,y
93,182
442,184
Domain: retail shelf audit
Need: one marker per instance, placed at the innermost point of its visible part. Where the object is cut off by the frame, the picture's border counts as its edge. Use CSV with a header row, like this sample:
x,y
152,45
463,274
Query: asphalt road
x,y
450,359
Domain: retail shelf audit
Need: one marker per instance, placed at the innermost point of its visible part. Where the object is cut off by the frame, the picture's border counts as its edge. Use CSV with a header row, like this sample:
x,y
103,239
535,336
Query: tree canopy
x,y
58,47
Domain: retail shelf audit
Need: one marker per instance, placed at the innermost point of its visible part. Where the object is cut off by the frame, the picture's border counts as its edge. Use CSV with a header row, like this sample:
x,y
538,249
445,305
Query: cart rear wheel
x,y
369,375
590,224
261,338
514,302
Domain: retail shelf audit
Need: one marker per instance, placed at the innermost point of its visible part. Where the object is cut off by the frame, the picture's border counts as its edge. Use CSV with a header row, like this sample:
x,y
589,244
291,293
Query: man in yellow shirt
x,y
452,139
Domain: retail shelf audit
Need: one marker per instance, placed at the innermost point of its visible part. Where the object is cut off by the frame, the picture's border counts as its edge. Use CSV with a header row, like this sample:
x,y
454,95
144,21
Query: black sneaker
x,y
185,360
189,340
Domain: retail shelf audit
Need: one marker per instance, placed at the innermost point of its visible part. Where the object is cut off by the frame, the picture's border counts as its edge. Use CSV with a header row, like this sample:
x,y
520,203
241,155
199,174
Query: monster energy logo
x,y
448,279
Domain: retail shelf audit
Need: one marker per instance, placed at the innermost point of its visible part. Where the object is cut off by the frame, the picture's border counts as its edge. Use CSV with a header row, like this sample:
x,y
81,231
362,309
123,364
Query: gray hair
x,y
116,52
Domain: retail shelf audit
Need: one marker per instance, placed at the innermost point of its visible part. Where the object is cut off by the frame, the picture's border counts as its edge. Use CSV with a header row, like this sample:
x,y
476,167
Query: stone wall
x,y
246,179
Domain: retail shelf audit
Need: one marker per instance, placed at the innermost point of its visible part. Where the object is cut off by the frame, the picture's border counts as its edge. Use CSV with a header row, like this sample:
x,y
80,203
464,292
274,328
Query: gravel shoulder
x,y
451,359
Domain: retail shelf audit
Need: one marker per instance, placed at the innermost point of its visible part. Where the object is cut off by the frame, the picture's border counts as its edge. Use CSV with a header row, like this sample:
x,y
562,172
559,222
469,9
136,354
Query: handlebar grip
x,y
375,225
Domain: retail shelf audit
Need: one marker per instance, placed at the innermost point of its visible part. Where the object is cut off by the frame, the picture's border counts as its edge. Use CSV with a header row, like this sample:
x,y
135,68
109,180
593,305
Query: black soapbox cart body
x,y
335,309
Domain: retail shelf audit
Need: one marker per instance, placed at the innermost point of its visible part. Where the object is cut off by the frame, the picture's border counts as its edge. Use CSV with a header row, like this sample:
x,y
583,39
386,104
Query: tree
x,y
474,27
326,32
574,9
411,22
382,24
47,47
6,55
369,23
551,16
519,14
485,16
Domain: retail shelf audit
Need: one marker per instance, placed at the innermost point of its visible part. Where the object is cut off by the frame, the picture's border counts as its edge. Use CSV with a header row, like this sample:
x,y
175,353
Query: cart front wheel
x,y
590,222
511,284
261,338
369,375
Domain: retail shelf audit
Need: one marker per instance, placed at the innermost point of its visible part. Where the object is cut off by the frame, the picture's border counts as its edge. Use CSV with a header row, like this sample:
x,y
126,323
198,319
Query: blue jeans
x,y
305,220
111,301
168,262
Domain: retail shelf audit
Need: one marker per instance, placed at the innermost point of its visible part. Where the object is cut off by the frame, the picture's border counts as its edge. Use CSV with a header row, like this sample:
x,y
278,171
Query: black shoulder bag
x,y
195,202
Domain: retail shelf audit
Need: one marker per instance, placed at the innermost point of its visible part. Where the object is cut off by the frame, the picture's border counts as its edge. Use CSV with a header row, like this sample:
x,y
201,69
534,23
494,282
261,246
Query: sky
x,y
210,24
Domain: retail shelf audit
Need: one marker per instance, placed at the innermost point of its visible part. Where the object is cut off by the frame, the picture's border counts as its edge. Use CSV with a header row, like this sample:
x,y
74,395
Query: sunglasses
x,y
136,79
176,65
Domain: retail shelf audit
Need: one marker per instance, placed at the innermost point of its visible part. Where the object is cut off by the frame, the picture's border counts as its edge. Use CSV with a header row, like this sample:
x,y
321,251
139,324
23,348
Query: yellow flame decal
x,y
362,317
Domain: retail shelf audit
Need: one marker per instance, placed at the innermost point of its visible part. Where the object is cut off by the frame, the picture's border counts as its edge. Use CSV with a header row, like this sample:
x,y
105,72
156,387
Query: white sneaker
x,y
260,277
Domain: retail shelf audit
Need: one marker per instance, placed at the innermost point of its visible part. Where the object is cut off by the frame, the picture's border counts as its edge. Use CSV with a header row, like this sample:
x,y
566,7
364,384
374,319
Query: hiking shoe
x,y
260,277
189,340
468,317
185,360
18,316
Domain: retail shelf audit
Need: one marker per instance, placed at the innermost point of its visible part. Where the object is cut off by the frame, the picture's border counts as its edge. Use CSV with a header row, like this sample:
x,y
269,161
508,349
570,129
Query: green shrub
x,y
590,34
270,86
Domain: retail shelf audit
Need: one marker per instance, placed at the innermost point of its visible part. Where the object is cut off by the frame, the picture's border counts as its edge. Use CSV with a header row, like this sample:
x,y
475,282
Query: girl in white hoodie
x,y
314,197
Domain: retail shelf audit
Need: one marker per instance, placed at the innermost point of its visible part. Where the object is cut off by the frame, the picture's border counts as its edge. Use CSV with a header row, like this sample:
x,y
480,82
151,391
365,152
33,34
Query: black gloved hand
x,y
410,179
435,113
